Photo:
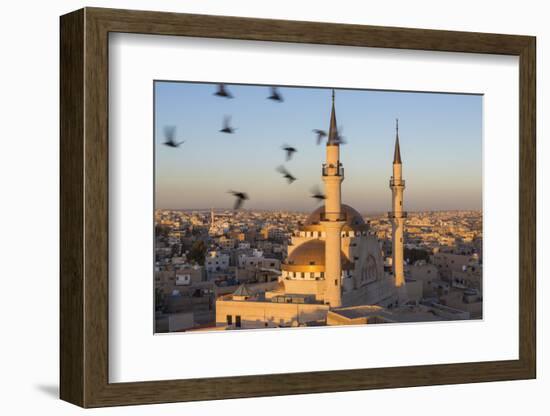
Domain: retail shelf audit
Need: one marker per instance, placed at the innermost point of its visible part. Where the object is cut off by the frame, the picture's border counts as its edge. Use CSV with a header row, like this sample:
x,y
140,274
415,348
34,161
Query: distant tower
x,y
211,217
397,215
333,219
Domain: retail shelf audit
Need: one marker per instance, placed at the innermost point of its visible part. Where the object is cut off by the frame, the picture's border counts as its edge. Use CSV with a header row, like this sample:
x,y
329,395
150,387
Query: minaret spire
x,y
397,215
397,151
333,219
333,129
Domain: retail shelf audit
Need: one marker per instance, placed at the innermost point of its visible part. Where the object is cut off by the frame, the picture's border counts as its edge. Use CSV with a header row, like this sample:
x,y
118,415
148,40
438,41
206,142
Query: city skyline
x,y
440,136
250,270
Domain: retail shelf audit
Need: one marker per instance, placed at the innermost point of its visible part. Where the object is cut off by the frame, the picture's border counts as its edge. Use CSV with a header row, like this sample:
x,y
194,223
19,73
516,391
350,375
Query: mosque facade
x,y
334,263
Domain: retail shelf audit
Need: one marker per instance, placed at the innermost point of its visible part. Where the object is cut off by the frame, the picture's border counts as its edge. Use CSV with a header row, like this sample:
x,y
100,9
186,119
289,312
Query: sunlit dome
x,y
311,255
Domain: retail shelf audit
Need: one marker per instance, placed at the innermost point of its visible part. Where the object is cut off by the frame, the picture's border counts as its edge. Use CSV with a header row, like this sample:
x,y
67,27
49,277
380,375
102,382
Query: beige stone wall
x,y
254,287
166,280
472,279
448,263
268,314
425,273
306,287
336,319
415,290
454,300
367,246
381,291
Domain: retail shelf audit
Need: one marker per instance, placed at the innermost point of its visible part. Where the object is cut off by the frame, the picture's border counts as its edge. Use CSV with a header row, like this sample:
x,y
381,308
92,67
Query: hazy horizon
x,y
440,139
305,211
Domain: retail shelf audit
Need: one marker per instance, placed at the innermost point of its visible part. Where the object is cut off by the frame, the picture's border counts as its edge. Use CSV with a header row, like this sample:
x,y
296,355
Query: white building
x,y
216,262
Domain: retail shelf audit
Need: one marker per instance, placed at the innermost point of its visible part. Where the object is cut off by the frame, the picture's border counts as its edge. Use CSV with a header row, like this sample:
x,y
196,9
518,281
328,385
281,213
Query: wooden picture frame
x,y
84,207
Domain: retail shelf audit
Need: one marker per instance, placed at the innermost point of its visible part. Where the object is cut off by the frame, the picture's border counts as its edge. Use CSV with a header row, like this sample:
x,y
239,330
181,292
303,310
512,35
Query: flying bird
x,y
170,136
223,92
289,151
320,134
286,174
317,194
275,95
240,198
226,127
339,137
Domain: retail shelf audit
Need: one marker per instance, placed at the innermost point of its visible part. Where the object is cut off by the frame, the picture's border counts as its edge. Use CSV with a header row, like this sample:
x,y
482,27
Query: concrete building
x,y
425,273
216,262
257,261
449,263
176,280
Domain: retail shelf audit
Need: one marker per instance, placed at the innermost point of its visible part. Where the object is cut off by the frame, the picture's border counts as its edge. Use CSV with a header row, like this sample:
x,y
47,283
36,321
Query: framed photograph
x,y
255,207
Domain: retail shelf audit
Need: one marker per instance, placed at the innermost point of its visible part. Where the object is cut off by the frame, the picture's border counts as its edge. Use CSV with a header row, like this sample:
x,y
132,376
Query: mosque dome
x,y
310,256
353,218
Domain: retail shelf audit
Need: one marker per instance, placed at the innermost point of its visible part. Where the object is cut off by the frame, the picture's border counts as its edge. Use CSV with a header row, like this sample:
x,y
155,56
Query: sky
x,y
440,138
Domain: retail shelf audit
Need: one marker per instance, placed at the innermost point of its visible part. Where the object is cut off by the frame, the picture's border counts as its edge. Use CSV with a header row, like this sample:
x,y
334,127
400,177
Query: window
x,y
335,282
238,321
229,319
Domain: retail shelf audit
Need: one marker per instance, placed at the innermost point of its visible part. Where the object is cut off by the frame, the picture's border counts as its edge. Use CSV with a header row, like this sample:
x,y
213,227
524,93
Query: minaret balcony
x,y
397,182
402,214
333,216
332,170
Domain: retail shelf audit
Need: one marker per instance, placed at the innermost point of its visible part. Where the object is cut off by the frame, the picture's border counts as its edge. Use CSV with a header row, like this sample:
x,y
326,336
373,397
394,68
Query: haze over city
x,y
441,140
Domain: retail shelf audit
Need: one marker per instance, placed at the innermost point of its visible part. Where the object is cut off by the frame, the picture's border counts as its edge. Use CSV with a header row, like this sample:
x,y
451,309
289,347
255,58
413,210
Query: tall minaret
x,y
397,215
333,219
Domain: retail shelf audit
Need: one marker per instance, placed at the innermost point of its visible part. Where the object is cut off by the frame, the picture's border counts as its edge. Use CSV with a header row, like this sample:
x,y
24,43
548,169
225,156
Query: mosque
x,y
334,271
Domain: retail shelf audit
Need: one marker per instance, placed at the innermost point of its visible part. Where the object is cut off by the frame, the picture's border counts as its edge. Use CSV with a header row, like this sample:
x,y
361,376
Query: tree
x,y
162,230
413,254
197,253
159,299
